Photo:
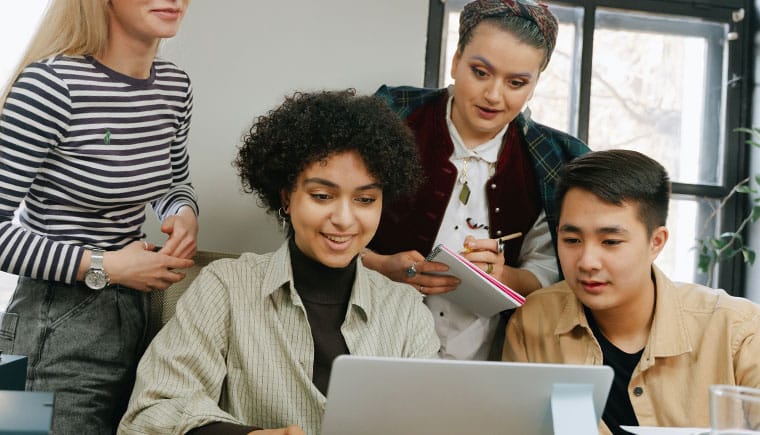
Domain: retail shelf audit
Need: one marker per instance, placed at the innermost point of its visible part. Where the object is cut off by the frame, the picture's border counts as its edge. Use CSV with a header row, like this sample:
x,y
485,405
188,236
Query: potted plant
x,y
713,249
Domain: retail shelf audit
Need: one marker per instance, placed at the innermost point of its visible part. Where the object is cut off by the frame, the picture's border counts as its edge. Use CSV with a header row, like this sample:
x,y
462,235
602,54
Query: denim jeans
x,y
82,344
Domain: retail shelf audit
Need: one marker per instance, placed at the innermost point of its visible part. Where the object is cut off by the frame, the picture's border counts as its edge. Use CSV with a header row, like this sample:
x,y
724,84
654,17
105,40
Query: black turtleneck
x,y
325,292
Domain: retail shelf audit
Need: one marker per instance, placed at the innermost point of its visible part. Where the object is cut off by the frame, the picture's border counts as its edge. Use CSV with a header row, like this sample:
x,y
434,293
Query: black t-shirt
x,y
618,410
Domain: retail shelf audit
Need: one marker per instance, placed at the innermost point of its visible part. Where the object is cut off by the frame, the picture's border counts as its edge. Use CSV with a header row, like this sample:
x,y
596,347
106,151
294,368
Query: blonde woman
x,y
93,128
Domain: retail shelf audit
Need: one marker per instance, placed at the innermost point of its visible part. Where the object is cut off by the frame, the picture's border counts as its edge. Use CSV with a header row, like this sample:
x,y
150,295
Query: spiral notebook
x,y
478,292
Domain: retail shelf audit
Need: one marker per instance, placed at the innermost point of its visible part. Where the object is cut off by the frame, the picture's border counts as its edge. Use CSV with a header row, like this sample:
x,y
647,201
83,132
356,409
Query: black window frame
x,y
739,89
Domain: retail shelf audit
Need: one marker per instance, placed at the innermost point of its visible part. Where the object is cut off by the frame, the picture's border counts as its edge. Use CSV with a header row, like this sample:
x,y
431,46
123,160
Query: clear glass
x,y
679,257
734,410
658,86
637,60
659,90
449,45
555,101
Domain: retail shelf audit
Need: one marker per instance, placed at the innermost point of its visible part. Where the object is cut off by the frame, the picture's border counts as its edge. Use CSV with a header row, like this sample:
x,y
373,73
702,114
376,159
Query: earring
x,y
283,215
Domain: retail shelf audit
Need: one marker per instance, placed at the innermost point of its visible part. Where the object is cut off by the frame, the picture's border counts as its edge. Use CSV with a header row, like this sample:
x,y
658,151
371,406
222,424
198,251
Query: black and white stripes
x,y
86,148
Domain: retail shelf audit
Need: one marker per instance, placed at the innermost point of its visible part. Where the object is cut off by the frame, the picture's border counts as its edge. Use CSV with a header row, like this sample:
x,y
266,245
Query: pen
x,y
509,237
499,242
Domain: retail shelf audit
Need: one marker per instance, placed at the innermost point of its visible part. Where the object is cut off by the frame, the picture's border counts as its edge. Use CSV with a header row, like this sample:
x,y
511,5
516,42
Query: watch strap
x,y
96,259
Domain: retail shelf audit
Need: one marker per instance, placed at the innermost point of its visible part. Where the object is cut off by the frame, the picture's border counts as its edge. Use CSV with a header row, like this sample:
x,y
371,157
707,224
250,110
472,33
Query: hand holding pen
x,y
488,254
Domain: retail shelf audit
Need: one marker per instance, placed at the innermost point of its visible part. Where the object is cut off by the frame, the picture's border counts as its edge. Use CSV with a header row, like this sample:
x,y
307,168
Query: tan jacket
x,y
699,337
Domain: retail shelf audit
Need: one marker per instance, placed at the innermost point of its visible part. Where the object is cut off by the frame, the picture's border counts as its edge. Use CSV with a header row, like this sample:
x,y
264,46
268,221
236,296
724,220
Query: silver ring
x,y
499,246
422,289
411,272
489,269
146,244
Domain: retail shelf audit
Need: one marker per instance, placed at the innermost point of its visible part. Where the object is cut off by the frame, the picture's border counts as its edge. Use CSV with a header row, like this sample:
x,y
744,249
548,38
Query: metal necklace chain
x,y
463,175
464,194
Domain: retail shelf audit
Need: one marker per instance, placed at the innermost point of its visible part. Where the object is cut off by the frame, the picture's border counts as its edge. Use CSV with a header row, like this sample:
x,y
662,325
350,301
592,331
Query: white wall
x,y
244,56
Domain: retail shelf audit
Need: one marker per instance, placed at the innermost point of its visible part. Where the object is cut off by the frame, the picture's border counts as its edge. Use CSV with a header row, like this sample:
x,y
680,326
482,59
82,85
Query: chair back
x,y
163,303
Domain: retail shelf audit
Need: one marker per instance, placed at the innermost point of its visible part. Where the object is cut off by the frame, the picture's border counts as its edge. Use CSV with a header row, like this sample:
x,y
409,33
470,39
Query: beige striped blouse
x,y
240,349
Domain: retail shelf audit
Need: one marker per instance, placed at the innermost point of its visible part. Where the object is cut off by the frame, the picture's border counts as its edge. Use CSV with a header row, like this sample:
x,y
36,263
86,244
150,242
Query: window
x,y
668,78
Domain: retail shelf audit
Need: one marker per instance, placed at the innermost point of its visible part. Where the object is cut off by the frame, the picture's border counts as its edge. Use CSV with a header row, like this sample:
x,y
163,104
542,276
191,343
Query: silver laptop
x,y
374,395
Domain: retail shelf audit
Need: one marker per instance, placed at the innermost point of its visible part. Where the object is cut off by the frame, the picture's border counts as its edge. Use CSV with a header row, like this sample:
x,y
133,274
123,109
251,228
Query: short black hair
x,y
616,176
308,127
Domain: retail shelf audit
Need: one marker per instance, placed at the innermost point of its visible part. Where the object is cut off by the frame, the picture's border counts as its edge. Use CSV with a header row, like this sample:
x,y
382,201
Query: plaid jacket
x,y
548,148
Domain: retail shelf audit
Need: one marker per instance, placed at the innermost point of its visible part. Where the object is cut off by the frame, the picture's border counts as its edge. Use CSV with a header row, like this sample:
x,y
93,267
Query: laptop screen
x,y
375,395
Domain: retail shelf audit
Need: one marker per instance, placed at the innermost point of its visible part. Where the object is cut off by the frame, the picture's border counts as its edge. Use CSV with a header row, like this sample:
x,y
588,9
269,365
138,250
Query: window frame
x,y
738,106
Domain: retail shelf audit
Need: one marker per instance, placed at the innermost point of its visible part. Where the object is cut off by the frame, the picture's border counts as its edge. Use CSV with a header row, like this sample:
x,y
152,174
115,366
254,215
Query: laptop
x,y
26,412
378,395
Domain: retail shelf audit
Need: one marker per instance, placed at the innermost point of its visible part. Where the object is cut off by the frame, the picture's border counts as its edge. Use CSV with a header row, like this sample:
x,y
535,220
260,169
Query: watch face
x,y
95,279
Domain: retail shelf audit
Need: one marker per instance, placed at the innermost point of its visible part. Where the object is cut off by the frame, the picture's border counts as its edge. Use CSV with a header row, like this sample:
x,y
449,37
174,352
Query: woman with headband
x,y
489,171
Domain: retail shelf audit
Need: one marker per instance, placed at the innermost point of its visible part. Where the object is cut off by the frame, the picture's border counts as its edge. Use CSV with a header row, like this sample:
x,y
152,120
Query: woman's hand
x,y
182,229
290,430
138,267
485,254
398,267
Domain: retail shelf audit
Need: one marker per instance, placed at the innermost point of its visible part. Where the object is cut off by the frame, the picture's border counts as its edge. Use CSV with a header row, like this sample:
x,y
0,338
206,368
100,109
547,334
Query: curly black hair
x,y
309,127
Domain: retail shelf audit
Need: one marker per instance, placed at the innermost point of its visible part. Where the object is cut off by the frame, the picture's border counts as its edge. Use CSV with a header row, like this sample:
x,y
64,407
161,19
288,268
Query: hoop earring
x,y
283,216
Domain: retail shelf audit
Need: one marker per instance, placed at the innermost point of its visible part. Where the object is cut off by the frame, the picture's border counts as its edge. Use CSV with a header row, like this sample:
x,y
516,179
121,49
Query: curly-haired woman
x,y
253,339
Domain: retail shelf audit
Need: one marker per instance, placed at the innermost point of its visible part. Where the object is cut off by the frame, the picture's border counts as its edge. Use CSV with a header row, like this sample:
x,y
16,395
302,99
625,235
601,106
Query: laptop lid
x,y
26,412
376,395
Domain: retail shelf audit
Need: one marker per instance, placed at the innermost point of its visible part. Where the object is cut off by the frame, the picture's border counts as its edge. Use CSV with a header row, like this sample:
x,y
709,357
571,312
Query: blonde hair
x,y
71,27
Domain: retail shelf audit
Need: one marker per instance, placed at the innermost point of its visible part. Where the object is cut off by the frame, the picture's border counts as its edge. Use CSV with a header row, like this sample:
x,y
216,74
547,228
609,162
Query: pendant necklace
x,y
464,194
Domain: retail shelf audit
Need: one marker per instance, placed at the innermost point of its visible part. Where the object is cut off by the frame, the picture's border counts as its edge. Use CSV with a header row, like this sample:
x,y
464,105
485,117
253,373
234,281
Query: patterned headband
x,y
478,10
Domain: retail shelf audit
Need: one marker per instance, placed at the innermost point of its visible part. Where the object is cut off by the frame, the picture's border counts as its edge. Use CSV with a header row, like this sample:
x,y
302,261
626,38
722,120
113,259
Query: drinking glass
x,y
734,410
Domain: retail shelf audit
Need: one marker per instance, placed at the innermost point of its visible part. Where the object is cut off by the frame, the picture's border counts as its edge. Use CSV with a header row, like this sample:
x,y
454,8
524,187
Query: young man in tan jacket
x,y
666,342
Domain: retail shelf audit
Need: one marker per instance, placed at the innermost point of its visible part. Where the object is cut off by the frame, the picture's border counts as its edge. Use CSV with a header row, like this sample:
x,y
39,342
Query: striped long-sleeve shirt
x,y
83,149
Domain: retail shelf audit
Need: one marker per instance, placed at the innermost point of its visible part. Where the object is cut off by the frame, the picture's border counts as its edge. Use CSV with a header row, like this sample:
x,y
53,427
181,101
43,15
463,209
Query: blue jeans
x,y
83,345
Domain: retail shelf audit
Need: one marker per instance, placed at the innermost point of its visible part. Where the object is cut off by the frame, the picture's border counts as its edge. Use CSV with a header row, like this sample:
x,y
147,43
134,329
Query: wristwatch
x,y
96,278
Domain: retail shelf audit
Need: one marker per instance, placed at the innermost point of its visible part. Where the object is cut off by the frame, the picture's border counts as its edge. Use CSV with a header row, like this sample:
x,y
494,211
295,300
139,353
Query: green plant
x,y
714,249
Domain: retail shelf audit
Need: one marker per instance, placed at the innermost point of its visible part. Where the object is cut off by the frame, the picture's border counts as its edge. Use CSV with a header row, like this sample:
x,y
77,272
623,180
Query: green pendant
x,y
464,194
